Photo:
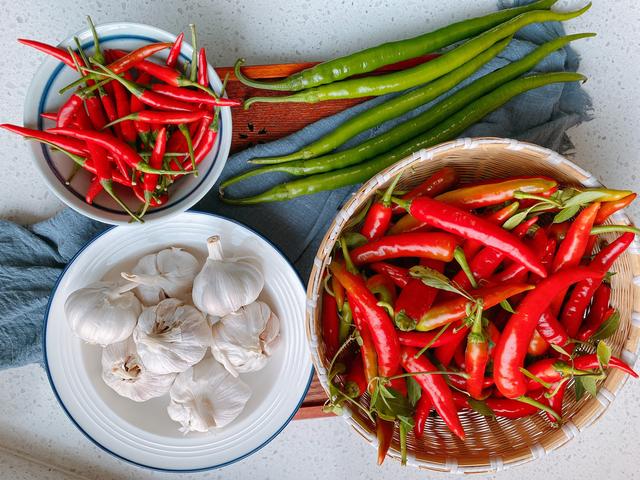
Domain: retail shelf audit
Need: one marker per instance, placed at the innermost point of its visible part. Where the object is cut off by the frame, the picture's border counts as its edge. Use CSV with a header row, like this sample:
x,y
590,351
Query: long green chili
x,y
426,72
388,53
417,125
447,130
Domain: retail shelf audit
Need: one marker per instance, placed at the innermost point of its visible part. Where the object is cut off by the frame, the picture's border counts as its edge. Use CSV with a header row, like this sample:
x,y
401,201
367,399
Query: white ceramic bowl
x,y
143,433
55,167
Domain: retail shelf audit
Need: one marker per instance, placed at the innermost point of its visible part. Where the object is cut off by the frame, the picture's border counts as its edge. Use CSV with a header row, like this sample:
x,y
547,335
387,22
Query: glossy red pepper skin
x,y
578,301
203,72
68,111
551,330
609,208
437,183
134,58
449,311
476,359
368,353
73,146
377,221
400,276
365,305
330,325
421,339
556,401
598,313
435,387
558,231
496,192
437,246
510,352
384,432
174,53
471,247
151,179
55,52
95,187
195,96
423,408
466,225
549,370
537,345
416,298
123,109
135,105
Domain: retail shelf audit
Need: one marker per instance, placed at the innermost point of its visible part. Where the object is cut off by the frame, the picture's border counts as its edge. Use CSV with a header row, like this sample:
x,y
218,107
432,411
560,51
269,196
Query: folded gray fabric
x,y
31,258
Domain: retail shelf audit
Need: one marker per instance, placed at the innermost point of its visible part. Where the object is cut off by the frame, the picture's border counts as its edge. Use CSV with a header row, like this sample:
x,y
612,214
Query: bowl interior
x,y
491,443
143,433
70,184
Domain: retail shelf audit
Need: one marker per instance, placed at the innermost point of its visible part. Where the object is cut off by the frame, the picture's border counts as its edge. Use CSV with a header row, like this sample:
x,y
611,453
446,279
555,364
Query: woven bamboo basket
x,y
492,444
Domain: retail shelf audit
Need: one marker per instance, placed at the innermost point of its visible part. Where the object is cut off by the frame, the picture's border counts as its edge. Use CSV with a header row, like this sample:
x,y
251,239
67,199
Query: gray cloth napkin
x,y
32,257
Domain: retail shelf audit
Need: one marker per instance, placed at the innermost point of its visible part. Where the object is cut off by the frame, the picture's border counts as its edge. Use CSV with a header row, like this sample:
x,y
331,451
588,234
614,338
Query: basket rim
x,y
524,454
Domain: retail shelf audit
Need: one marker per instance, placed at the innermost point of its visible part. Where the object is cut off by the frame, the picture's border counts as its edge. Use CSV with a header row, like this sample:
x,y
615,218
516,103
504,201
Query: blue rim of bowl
x,y
46,152
102,447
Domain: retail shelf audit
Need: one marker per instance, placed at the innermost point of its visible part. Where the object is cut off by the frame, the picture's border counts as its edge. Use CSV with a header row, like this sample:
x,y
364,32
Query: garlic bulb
x,y
206,396
168,273
243,341
225,284
123,371
171,336
103,312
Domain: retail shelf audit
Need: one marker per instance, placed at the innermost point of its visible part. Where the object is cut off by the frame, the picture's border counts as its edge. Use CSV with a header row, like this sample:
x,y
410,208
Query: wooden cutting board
x,y
265,122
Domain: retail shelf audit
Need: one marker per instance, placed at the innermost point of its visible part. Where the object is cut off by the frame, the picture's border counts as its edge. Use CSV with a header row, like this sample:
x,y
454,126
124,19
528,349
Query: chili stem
x,y
614,228
460,257
540,406
433,340
185,131
194,54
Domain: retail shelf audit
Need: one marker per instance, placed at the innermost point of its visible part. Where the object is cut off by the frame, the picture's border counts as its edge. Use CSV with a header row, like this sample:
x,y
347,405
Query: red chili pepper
x,y
399,275
123,109
551,330
435,387
81,120
609,208
496,192
203,149
501,407
415,299
437,183
162,117
449,311
537,345
73,146
134,58
384,432
49,115
471,247
150,181
174,53
355,382
571,249
598,312
57,53
364,305
135,105
376,222
68,110
438,246
330,325
117,148
367,350
476,357
423,408
445,353
95,187
556,401
109,105
558,230
511,351
460,383
552,370
195,96
203,70
466,225
578,301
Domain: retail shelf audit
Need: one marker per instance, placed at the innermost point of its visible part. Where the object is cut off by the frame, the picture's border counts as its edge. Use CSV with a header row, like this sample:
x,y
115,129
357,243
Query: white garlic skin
x,y
172,336
124,372
225,284
102,312
167,273
206,396
243,341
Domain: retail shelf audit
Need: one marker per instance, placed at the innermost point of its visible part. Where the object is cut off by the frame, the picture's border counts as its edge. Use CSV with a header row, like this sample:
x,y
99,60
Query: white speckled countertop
x,y
37,441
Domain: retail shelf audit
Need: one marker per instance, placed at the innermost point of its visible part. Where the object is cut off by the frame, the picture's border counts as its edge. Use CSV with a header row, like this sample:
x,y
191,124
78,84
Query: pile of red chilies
x,y
486,296
131,121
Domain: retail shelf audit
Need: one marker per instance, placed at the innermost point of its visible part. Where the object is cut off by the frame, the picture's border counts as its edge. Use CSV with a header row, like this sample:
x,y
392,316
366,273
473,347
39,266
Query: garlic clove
x,y
225,284
124,372
103,312
171,336
167,273
206,396
243,341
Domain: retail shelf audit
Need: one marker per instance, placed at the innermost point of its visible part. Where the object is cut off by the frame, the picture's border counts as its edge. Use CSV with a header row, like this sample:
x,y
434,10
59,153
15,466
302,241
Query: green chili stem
x,y
460,257
614,229
540,406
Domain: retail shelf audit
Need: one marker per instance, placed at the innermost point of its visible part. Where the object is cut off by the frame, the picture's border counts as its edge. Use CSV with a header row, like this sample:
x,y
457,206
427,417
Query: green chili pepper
x,y
447,130
404,79
413,127
389,53
391,108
